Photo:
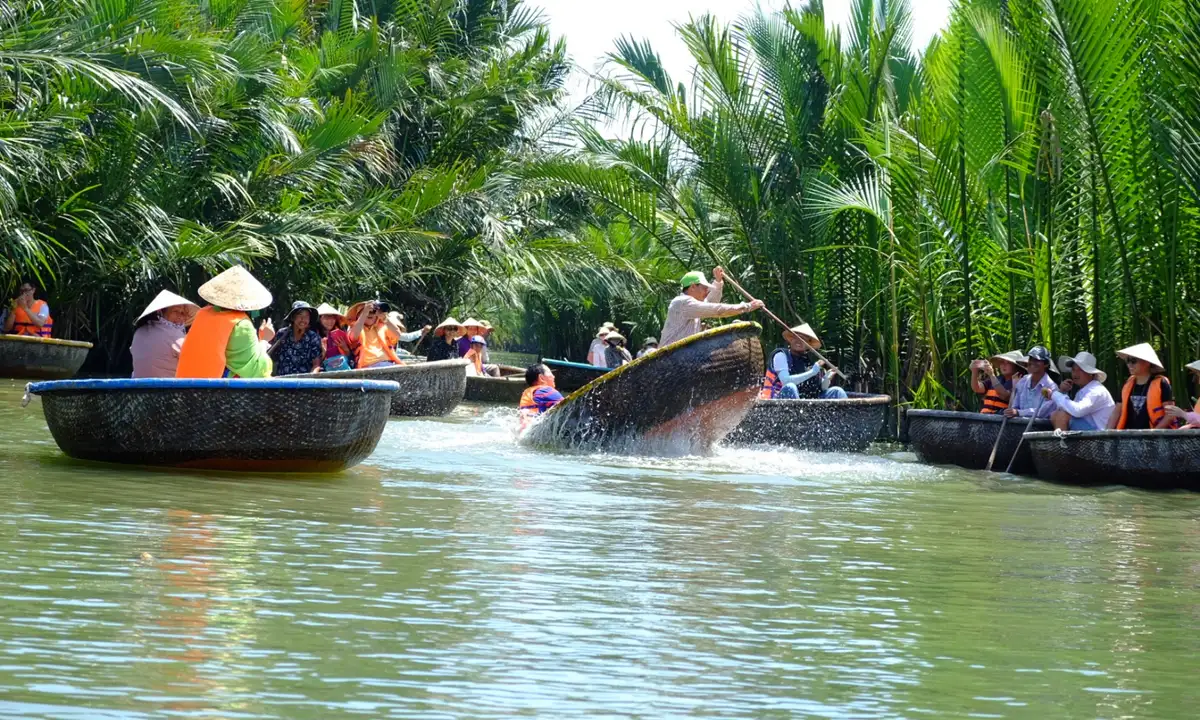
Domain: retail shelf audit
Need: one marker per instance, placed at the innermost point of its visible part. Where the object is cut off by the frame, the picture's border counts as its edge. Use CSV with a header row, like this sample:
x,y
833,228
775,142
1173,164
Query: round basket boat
x,y
828,425
273,425
22,356
680,400
1154,459
966,439
570,376
506,389
427,389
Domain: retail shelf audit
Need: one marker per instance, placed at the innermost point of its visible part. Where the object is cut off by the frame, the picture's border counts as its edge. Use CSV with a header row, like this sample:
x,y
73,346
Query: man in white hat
x,y
222,341
699,299
791,375
1147,392
161,329
1093,403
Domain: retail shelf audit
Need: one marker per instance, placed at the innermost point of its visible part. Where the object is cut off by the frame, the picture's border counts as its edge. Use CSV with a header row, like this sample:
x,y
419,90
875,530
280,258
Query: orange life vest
x,y
772,385
1154,401
476,359
374,346
993,404
527,406
24,325
203,352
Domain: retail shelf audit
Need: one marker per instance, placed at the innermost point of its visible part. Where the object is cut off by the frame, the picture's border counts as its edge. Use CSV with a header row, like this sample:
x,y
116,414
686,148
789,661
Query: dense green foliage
x,y
1031,178
341,149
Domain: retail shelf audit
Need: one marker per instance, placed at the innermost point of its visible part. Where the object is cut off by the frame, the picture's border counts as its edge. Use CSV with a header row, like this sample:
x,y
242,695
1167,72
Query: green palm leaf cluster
x,y
1030,177
341,149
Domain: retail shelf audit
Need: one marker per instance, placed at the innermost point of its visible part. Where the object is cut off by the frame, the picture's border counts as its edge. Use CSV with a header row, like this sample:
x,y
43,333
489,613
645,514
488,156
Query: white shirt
x,y
596,352
685,313
1093,401
1025,399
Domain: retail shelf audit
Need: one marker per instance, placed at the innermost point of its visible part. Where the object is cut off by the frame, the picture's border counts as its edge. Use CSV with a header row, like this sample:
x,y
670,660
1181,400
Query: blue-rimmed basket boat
x,y
506,389
1153,459
680,400
965,439
826,425
570,376
274,425
425,389
22,356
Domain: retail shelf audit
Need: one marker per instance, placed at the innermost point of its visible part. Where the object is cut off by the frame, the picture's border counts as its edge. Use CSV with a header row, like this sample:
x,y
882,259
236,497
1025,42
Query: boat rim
x,y
117,384
661,353
45,341
961,415
1109,434
869,399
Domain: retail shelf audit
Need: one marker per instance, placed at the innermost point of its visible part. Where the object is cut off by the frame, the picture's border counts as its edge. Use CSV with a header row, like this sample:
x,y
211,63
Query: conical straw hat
x,y
327,309
1013,356
1142,351
449,322
805,330
471,322
166,299
236,289
1193,366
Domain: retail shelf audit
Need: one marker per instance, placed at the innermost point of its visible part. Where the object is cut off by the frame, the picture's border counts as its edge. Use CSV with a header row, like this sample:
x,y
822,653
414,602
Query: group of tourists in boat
x,y
177,338
1019,385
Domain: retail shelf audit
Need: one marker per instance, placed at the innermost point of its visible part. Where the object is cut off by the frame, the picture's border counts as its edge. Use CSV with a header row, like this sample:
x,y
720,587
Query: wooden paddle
x,y
996,446
832,368
1022,438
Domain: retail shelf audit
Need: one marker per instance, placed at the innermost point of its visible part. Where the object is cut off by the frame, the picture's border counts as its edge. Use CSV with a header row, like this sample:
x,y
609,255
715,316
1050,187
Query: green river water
x,y
456,575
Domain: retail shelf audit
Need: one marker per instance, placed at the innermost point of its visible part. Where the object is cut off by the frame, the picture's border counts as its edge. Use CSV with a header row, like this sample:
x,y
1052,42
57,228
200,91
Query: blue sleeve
x,y
546,398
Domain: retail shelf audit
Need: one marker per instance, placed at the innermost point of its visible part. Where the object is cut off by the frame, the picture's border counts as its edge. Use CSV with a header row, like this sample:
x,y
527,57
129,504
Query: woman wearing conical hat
x,y
791,375
161,329
1146,394
222,341
444,346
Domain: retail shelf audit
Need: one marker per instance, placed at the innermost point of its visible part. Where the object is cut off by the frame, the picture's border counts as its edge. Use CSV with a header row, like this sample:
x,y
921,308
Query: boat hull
x,y
966,439
426,389
825,425
1153,459
680,400
271,425
40,358
569,376
506,390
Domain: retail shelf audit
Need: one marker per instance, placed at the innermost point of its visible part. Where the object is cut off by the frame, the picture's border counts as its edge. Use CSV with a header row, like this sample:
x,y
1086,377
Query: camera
x,y
383,307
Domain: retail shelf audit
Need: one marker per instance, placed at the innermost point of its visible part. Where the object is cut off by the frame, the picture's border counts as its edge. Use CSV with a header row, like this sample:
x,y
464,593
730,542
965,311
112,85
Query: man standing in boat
x,y
699,300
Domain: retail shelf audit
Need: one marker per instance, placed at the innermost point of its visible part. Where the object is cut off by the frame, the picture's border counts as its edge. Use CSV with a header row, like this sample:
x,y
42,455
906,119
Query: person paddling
x,y
791,375
698,300
222,341
1147,392
1093,402
1027,398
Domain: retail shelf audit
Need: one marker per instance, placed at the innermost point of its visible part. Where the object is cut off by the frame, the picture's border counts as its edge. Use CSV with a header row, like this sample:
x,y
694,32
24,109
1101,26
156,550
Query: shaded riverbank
x,y
458,575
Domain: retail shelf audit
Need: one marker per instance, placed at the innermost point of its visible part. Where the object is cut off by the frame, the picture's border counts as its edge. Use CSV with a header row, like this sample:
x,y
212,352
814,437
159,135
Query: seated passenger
x,y
339,353
1147,392
540,394
996,390
1188,420
615,354
791,375
649,345
445,344
372,335
470,328
596,349
222,341
27,315
161,330
298,348
1093,402
1028,398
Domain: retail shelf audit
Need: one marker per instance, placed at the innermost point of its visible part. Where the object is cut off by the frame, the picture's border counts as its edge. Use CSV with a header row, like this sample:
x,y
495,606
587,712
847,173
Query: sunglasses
x,y
26,289
1131,361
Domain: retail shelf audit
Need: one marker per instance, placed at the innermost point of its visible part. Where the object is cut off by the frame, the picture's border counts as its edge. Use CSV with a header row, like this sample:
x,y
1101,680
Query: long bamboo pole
x,y
833,368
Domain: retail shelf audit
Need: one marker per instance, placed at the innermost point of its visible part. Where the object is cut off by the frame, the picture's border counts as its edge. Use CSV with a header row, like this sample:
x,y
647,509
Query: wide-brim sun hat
x,y
396,318
650,341
1086,362
300,306
356,310
446,324
1142,351
325,309
486,325
1013,356
603,332
614,336
236,289
806,333
694,277
167,299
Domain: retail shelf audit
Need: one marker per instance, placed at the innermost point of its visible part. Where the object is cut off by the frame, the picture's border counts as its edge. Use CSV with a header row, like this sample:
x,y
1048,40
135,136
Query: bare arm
x,y
355,333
